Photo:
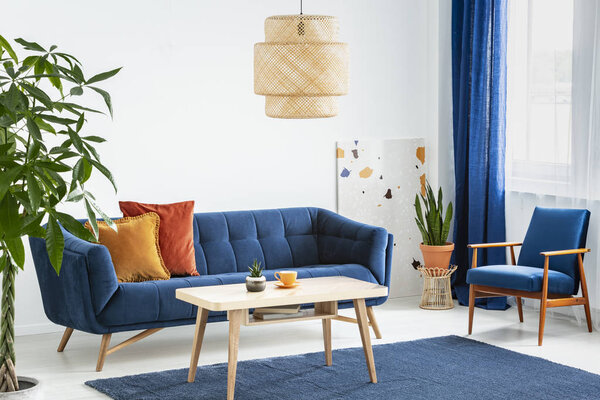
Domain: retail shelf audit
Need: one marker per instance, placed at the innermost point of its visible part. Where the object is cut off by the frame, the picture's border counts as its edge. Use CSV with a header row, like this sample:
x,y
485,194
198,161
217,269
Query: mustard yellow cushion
x,y
134,248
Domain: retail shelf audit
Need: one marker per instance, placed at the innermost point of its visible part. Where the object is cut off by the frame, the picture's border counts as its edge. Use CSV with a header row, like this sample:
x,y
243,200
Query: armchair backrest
x,y
555,229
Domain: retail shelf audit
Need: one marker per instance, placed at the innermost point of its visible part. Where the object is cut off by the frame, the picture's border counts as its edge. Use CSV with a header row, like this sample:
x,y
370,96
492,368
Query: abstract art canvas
x,y
376,184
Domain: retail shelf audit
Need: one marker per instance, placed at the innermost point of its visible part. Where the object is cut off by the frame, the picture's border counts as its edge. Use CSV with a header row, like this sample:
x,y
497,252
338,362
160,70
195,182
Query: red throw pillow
x,y
175,234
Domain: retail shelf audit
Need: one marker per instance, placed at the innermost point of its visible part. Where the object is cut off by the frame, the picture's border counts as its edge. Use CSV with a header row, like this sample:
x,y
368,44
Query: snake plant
x,y
434,225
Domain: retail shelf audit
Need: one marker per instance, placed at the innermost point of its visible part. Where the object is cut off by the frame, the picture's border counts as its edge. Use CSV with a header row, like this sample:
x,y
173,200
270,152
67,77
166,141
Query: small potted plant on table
x,y
256,281
434,227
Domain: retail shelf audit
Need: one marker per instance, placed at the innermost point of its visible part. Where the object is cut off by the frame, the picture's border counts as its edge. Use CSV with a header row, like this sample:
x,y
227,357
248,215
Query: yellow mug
x,y
288,278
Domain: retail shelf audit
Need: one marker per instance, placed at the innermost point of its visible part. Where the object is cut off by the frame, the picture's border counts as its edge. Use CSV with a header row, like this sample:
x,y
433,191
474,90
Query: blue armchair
x,y
550,265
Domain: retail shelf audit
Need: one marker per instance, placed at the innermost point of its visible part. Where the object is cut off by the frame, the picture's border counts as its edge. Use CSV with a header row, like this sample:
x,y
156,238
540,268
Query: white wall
x,y
187,124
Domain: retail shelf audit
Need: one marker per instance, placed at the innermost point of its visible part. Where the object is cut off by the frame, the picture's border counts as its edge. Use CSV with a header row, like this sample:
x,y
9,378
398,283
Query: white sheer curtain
x,y
553,120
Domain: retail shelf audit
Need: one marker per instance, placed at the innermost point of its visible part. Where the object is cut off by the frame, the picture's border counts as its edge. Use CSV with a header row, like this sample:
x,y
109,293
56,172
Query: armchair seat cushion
x,y
519,277
154,301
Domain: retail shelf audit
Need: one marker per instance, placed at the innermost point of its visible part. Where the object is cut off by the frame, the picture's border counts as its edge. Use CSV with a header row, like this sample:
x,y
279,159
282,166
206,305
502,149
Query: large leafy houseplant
x,y
434,226
45,160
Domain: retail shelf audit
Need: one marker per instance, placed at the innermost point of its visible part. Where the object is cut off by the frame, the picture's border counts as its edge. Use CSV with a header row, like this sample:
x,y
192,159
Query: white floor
x,y
63,374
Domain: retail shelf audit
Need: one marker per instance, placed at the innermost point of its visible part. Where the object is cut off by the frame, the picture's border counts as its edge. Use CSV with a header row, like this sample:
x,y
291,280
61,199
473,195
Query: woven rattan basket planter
x,y
301,67
437,294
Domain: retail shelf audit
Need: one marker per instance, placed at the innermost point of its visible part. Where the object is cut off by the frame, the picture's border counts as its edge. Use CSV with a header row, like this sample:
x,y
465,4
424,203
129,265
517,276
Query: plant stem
x,y
7,320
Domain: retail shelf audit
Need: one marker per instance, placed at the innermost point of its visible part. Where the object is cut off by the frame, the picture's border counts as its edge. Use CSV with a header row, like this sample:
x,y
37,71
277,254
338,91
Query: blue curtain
x,y
479,100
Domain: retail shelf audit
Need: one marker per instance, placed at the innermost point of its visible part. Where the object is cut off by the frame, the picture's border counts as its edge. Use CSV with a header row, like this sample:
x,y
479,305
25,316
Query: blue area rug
x,y
448,367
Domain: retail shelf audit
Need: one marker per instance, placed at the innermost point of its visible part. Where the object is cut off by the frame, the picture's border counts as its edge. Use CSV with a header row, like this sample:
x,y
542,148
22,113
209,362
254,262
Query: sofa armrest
x,y
344,241
86,282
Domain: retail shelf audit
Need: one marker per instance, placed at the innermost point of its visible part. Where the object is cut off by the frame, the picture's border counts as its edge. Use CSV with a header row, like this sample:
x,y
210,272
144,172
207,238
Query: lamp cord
x,y
300,7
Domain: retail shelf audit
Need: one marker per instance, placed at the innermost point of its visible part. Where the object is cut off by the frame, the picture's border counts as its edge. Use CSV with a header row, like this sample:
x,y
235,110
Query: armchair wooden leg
x,y
65,338
373,322
103,349
471,307
520,308
584,292
543,301
542,321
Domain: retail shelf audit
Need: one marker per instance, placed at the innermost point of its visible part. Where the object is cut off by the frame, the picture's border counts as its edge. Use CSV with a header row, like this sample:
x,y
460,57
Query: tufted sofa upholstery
x,y
313,241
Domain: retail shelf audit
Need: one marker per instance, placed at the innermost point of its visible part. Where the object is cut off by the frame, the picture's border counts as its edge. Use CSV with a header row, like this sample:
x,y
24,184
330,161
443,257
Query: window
x,y
539,81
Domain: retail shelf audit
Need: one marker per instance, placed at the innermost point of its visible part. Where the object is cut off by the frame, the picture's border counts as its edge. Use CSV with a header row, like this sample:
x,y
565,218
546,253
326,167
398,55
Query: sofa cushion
x,y
228,242
520,278
134,248
176,232
155,300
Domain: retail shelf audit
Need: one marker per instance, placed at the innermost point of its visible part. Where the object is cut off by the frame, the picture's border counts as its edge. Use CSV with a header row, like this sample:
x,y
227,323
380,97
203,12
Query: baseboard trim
x,y
37,329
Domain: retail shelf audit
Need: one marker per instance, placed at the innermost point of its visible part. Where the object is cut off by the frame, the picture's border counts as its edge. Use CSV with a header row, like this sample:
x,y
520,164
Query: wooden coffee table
x,y
324,292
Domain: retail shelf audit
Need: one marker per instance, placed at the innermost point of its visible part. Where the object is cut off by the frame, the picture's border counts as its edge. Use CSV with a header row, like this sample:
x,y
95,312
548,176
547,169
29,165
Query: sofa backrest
x,y
280,238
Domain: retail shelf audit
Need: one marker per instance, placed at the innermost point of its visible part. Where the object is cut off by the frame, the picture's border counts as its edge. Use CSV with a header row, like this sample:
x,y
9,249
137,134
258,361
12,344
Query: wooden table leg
x,y
328,308
363,327
327,341
373,321
235,319
201,319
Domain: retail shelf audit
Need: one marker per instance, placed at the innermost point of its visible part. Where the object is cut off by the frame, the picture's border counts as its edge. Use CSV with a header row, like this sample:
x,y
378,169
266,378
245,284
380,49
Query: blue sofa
x,y
313,241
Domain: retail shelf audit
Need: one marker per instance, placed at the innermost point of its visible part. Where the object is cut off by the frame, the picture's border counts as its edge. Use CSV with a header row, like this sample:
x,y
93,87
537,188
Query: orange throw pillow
x,y
176,234
134,249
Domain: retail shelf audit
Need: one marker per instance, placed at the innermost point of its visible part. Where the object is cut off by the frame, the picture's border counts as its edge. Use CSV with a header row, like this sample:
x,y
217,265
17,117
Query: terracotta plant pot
x,y
437,256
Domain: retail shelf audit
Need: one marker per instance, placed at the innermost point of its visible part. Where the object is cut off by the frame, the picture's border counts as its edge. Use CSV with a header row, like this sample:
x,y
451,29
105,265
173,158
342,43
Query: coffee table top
x,y
310,290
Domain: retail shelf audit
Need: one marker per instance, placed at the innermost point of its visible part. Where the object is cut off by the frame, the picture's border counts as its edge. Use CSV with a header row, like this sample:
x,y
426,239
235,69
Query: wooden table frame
x,y
323,310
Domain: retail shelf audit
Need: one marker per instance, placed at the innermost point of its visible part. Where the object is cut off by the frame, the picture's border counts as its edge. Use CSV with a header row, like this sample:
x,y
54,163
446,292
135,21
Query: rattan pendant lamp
x,y
301,67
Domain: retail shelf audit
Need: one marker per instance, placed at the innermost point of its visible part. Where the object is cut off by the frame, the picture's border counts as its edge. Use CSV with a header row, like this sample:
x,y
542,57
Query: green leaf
x,y
75,227
96,139
76,140
54,80
34,192
103,215
58,120
72,107
33,129
38,94
16,250
6,178
6,46
53,166
92,150
30,45
103,76
424,234
32,225
78,74
104,172
44,125
76,91
76,194
447,221
106,98
80,123
82,170
92,219
55,243
9,217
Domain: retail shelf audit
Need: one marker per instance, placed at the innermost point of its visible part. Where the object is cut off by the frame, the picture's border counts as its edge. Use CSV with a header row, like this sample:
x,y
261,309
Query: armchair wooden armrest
x,y
564,252
511,245
499,244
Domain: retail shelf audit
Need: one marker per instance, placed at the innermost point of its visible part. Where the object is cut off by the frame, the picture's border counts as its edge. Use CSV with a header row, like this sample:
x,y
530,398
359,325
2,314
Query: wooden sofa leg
x,y
373,322
520,308
103,349
65,338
